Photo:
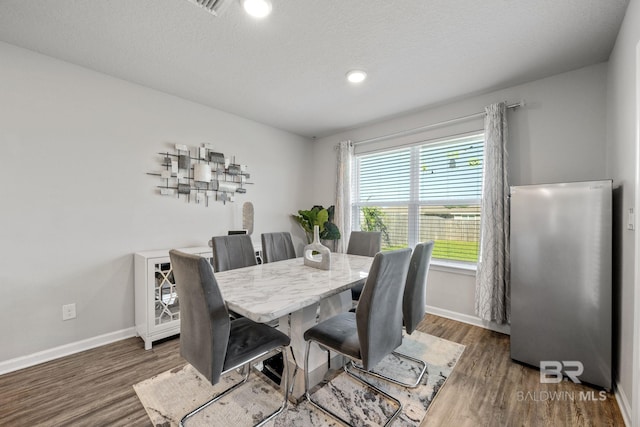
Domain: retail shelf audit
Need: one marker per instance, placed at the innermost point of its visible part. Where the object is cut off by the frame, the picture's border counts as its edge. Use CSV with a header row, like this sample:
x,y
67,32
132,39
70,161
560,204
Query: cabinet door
x,y
164,295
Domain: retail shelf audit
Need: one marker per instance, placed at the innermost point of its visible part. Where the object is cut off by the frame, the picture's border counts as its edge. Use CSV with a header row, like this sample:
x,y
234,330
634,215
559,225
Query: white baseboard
x,y
64,350
471,320
623,404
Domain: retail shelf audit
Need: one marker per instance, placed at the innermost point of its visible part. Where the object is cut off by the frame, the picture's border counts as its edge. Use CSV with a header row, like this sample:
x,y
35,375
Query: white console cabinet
x,y
157,308
156,299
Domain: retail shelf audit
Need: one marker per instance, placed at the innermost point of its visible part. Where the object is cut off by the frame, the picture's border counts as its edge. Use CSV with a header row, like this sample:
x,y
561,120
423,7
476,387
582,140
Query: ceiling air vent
x,y
212,6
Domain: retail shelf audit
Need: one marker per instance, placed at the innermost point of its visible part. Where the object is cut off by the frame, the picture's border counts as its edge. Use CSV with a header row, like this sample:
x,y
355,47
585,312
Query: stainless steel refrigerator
x,y
561,303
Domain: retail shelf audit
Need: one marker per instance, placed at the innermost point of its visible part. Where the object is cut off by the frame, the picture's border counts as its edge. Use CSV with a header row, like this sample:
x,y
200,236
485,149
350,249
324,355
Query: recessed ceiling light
x,y
356,76
257,8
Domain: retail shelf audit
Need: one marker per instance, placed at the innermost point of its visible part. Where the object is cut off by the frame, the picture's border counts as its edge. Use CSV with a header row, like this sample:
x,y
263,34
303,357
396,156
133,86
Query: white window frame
x,y
414,204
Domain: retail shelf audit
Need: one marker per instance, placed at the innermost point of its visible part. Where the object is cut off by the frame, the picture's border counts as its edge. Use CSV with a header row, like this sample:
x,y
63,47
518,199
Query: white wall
x,y
622,119
76,201
558,136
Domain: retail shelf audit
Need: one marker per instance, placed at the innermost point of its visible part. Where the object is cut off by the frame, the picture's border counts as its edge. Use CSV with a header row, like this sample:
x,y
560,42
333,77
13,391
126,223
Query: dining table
x,y
297,296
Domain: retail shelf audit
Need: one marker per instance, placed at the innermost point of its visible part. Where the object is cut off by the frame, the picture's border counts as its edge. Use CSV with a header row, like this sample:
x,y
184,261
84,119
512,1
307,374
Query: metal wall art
x,y
201,174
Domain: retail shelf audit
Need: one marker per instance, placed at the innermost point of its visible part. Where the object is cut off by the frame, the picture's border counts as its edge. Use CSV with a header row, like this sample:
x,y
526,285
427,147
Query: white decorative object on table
x,y
324,263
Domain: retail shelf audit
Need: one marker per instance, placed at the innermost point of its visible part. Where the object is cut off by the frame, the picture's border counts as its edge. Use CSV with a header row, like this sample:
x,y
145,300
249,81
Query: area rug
x,y
169,395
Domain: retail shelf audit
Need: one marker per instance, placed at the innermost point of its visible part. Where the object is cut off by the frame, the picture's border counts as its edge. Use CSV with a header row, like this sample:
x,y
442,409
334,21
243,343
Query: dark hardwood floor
x,y
94,388
488,389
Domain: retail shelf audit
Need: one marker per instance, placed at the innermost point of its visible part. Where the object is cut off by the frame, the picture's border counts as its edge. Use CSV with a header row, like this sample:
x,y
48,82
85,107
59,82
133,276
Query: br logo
x,y
552,371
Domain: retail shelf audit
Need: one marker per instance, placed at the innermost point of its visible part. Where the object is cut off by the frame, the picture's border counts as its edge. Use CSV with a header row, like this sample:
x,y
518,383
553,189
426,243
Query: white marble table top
x,y
269,291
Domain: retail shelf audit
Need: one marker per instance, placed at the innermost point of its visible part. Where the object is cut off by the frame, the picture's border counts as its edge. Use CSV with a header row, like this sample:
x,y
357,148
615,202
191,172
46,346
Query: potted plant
x,y
320,216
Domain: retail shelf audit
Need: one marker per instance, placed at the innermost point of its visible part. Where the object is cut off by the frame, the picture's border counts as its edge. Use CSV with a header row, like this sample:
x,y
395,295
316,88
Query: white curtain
x,y
492,278
342,217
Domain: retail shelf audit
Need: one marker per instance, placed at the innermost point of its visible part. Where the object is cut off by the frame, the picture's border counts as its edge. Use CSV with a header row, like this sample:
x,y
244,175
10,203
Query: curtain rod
x,y
431,126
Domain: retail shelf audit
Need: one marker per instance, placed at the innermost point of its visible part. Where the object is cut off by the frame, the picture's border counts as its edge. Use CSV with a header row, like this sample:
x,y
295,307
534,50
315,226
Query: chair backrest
x,y
204,319
379,311
277,246
365,243
414,300
230,252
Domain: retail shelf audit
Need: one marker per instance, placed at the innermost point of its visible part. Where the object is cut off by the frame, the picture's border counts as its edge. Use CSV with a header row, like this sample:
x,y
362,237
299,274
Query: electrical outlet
x,y
69,311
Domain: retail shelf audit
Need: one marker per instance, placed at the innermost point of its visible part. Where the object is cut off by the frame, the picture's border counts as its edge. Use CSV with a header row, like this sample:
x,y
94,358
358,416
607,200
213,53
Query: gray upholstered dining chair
x,y
413,305
211,342
365,243
414,301
277,246
234,251
374,330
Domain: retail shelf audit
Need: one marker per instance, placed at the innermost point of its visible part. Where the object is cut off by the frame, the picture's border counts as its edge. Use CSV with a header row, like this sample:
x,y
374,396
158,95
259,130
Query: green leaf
x,y
331,210
331,231
321,219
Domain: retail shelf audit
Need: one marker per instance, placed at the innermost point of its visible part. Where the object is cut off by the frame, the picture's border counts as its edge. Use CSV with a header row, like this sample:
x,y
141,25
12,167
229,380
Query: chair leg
x,y
285,387
295,371
385,394
421,363
366,383
219,396
247,369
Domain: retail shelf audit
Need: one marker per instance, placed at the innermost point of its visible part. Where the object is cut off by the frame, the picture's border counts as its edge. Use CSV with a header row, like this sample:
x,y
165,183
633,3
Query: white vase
x,y
322,259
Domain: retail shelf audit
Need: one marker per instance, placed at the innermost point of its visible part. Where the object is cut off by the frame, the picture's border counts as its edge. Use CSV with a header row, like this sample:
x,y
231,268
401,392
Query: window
x,y
430,191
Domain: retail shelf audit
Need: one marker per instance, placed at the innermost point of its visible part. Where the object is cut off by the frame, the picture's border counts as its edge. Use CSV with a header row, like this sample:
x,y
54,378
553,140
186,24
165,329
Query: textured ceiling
x,y
288,70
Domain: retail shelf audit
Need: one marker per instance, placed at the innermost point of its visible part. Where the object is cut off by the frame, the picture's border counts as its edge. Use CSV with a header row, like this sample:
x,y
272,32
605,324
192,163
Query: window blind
x,y
429,191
